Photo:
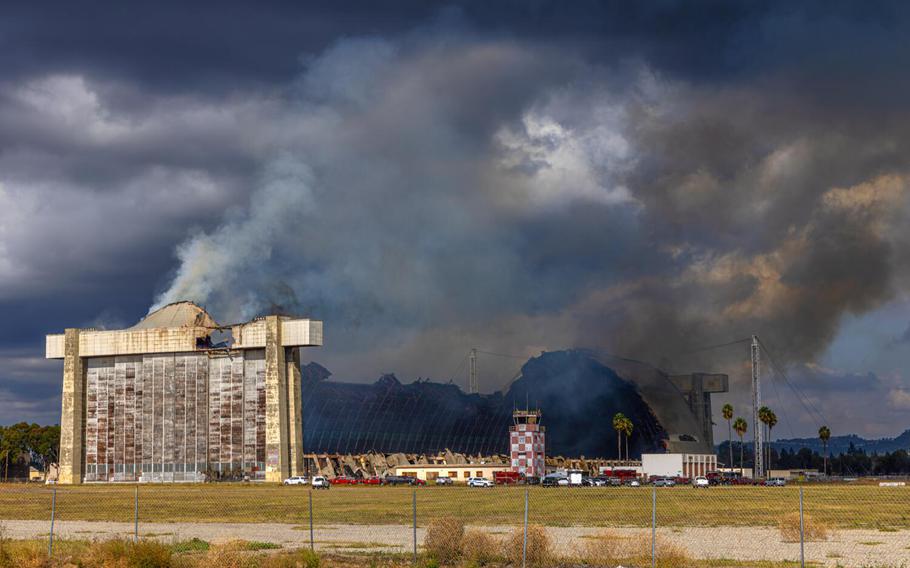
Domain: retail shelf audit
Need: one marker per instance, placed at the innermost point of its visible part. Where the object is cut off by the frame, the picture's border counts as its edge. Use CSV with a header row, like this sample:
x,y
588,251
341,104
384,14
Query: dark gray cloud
x,y
639,178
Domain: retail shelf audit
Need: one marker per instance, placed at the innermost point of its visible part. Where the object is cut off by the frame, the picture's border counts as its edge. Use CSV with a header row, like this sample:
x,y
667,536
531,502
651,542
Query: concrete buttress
x,y
72,414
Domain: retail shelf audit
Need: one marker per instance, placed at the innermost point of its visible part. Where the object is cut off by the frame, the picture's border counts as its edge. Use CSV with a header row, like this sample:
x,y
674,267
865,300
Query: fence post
x,y
312,545
653,526
415,525
136,516
50,541
524,544
802,532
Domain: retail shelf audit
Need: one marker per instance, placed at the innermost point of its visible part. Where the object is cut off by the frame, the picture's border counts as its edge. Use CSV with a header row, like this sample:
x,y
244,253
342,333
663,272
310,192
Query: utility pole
x,y
473,387
757,432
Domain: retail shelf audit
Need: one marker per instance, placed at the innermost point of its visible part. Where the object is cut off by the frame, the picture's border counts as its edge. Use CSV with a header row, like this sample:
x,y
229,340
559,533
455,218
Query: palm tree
x,y
772,422
728,416
619,425
763,414
741,427
824,434
627,428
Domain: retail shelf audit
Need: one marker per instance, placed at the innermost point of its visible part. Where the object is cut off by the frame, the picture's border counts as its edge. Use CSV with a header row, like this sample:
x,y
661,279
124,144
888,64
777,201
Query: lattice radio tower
x,y
758,432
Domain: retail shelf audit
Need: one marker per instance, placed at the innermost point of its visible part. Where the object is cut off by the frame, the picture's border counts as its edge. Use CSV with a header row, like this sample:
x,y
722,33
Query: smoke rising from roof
x,y
436,191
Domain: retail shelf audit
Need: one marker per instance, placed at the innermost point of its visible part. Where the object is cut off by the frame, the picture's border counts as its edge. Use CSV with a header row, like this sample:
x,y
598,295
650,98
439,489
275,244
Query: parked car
x,y
554,481
344,480
776,482
634,483
370,481
701,481
479,482
663,482
296,480
444,480
321,482
398,480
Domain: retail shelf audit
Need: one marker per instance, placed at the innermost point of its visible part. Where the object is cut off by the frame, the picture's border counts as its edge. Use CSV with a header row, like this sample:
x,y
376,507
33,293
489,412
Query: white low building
x,y
677,465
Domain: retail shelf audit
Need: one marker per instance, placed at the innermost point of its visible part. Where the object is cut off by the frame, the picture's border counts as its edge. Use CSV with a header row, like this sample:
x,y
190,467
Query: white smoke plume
x,y
424,195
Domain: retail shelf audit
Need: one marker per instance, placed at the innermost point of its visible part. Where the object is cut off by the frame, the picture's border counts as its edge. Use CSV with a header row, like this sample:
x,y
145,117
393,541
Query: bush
x,y
610,549
539,547
31,554
228,555
606,548
117,553
479,548
443,539
815,531
298,559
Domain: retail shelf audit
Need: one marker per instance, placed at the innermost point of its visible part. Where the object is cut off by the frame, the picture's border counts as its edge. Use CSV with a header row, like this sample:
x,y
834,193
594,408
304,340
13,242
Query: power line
x,y
719,345
799,395
523,357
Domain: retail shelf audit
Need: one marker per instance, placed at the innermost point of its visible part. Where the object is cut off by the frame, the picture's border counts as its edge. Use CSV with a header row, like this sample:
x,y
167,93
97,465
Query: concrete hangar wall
x,y
161,402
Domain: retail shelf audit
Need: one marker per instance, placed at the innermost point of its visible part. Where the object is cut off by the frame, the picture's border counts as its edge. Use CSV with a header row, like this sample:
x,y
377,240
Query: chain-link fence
x,y
819,524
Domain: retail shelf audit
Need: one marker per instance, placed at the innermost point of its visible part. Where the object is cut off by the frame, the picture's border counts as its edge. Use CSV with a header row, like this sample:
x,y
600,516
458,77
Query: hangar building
x,y
177,397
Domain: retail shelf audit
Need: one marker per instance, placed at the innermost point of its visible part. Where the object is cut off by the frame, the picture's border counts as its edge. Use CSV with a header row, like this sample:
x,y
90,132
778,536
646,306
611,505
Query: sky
x,y
644,179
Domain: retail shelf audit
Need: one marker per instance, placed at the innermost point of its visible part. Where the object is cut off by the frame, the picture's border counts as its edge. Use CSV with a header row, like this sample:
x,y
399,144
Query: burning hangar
x,y
168,400
162,401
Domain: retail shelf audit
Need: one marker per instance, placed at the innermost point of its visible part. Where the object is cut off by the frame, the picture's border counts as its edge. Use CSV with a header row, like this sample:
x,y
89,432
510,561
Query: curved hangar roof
x,y
178,314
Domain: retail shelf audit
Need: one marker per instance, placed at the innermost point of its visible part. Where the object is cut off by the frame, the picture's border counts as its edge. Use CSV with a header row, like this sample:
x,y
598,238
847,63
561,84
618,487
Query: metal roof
x,y
178,314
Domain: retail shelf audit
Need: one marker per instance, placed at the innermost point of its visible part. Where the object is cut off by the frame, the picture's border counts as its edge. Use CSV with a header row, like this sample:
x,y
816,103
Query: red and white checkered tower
x,y
527,446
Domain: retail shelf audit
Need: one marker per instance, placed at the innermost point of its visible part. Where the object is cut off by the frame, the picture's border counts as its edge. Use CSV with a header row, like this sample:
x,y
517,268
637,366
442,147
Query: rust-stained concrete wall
x,y
277,466
295,414
175,417
72,412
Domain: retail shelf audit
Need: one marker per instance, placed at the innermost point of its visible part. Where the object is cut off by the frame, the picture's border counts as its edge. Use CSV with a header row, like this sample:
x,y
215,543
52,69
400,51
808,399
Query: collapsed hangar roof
x,y
177,314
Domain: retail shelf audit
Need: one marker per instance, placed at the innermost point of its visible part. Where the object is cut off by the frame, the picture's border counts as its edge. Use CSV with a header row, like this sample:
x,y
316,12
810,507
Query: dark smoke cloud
x,y
446,190
638,178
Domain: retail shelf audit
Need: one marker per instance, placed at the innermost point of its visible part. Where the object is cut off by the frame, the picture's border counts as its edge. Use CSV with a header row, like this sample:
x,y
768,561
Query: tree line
x,y
768,420
853,462
28,444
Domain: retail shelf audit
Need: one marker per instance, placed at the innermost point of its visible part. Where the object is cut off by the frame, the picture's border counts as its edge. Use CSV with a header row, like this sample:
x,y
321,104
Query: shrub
x,y
539,548
606,548
228,555
815,531
443,539
610,549
192,545
297,559
479,548
118,553
30,554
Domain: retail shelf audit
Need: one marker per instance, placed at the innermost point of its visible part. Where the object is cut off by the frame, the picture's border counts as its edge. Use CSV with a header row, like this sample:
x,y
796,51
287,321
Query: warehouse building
x,y
677,465
456,472
179,398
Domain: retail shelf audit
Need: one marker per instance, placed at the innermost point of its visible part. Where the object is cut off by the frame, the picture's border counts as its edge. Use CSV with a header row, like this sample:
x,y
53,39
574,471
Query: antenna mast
x,y
473,387
757,432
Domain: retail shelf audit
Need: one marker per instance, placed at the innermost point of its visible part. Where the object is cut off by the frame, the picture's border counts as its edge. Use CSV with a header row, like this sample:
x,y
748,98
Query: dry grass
x,y
844,506
539,551
443,539
479,548
126,554
814,530
611,549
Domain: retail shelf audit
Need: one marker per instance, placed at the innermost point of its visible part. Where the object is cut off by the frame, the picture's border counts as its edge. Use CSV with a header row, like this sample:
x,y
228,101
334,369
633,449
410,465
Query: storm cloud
x,y
639,180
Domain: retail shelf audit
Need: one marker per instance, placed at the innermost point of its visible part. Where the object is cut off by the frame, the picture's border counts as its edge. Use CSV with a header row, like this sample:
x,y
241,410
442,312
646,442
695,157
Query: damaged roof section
x,y
178,314
183,327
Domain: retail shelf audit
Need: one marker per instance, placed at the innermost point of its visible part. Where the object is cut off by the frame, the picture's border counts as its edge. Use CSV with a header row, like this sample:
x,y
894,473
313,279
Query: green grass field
x,y
837,506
